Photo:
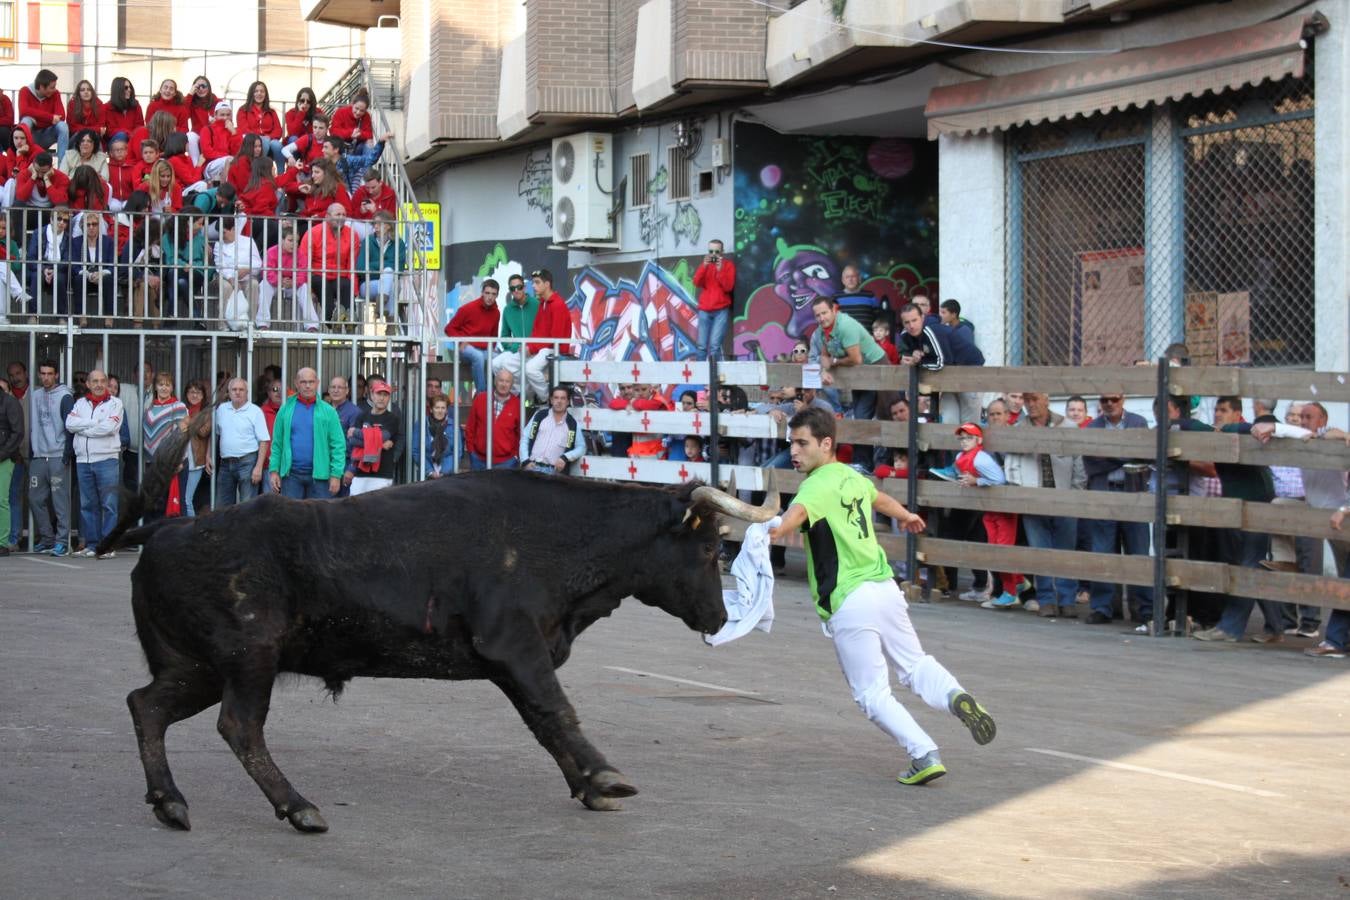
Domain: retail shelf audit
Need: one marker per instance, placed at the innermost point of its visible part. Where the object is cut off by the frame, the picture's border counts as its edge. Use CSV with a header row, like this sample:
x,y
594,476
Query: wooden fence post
x,y
1162,426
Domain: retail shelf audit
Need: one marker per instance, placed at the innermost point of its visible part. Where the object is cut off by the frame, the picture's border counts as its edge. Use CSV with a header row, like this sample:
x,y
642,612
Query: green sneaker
x,y
973,716
923,770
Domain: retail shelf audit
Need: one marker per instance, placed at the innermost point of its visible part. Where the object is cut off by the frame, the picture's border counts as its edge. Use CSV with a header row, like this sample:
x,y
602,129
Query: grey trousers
x,y
49,480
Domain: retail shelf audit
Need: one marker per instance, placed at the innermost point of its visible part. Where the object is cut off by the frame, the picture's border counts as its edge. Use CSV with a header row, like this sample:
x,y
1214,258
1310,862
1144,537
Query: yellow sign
x,y
423,237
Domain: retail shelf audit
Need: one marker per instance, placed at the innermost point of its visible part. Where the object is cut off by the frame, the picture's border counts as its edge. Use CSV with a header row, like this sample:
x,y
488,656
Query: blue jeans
x,y
43,137
864,409
479,464
477,360
272,147
1308,554
234,482
15,496
712,332
1053,533
1134,537
98,498
1246,550
301,484
194,478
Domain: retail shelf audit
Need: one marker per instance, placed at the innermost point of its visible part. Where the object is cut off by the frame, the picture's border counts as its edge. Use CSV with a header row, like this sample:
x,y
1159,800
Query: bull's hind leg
x,y
171,697
525,674
243,713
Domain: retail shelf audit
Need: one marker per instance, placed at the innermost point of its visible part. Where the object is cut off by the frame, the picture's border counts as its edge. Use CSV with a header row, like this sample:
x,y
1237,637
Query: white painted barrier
x,y
589,371
740,425
666,471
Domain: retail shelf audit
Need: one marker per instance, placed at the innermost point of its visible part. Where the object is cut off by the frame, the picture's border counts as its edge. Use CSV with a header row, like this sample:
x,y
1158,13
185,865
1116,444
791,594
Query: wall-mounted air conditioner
x,y
583,176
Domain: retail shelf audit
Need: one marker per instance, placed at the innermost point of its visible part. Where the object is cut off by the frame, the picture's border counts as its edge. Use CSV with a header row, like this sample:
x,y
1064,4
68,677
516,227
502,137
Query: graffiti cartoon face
x,y
801,273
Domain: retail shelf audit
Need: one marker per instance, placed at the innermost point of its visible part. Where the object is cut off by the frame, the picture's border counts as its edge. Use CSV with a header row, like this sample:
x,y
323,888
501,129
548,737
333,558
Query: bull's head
x,y
689,582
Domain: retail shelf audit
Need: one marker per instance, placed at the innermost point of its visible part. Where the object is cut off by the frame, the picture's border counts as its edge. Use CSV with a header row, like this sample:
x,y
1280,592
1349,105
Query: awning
x,y
1215,62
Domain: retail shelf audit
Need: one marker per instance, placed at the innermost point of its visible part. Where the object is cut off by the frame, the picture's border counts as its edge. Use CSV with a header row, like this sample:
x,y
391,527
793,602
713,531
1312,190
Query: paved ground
x,y
1124,766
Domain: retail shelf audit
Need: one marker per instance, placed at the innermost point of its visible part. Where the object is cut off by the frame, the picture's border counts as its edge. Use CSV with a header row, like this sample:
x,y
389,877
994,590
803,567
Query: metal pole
x,y
714,436
912,477
1160,505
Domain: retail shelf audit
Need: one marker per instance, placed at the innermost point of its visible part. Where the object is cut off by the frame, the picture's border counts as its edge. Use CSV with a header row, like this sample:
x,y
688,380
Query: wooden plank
x,y
1038,501
1112,568
1288,518
1055,380
664,471
1309,590
871,378
1204,512
657,372
1206,381
1135,443
1310,454
1285,384
1203,446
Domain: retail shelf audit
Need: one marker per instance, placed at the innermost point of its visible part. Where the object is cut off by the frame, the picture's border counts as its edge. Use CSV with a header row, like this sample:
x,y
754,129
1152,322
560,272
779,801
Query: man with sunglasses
x,y
1109,474
478,318
551,320
517,318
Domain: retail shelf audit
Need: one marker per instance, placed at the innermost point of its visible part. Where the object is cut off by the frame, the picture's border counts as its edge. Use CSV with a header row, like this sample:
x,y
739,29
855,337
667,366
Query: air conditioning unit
x,y
583,177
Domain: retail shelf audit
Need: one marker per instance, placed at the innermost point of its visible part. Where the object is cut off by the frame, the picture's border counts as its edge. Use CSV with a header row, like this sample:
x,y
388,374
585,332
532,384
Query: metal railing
x,y
379,78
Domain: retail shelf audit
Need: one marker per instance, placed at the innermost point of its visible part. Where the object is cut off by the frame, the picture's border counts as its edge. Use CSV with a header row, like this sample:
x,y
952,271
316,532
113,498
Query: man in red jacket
x,y
479,318
219,140
41,109
552,321
506,417
715,280
42,185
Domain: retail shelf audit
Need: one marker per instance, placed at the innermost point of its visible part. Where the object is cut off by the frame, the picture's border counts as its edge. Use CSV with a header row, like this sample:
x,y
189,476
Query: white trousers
x,y
536,369
364,484
872,628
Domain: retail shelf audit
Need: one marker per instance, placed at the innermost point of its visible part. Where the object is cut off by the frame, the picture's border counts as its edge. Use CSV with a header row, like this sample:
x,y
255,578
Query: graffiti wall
x,y
808,205
639,311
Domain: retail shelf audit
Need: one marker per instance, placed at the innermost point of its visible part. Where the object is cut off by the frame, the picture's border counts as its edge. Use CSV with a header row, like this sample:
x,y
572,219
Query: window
x,y
679,173
9,28
639,173
145,23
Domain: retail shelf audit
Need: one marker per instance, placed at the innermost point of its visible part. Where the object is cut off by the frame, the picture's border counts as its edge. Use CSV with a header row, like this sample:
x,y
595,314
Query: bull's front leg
x,y
524,672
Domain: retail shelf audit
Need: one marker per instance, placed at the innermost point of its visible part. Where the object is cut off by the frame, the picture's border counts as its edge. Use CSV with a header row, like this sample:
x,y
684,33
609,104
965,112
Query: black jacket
x,y
11,427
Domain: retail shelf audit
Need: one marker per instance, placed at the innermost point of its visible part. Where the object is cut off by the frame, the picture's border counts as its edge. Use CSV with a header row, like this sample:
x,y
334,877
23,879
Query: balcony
x,y
351,13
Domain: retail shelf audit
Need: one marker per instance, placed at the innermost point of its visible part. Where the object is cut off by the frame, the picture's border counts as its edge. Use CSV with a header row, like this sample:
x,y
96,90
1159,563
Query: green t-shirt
x,y
842,553
848,332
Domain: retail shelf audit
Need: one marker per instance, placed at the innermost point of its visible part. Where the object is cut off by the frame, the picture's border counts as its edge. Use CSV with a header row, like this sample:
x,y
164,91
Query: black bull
x,y
488,575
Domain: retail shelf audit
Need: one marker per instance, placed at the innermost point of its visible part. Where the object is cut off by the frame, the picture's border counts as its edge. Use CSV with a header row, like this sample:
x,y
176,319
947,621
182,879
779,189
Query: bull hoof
x,y
609,783
174,814
308,820
601,804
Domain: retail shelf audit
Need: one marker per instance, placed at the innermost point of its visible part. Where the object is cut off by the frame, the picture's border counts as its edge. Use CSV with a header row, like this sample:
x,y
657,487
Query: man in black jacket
x,y
11,444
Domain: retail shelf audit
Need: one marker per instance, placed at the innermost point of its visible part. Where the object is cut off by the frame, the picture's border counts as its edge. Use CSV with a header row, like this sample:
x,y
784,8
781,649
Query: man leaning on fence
x,y
479,318
1048,470
1110,474
309,451
243,443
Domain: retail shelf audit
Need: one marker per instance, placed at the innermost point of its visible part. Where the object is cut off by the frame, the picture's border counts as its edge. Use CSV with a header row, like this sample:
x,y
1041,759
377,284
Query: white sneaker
x,y
1032,606
974,596
87,553
111,554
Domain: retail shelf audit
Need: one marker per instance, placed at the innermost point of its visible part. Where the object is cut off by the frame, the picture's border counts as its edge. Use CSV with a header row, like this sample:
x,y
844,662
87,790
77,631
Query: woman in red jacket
x,y
171,101
259,197
122,113
250,148
202,103
258,117
322,190
85,110
188,176
300,118
87,190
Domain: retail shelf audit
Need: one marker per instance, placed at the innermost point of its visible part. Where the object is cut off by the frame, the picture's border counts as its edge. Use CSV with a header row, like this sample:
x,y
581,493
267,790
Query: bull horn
x,y
736,508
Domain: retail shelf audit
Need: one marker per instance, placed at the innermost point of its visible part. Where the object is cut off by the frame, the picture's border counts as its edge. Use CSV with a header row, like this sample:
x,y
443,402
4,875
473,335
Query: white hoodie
x,y
242,254
97,429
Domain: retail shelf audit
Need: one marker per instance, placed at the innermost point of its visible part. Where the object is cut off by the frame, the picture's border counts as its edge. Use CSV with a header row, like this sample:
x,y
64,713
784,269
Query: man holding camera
x,y
715,280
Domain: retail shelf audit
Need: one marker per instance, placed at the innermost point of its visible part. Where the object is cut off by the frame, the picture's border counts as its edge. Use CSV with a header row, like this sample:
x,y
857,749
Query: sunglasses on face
x,y
199,87
1110,400
517,287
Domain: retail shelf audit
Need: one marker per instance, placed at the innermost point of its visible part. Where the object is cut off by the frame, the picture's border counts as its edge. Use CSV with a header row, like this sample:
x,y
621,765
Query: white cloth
x,y
871,628
750,606
364,484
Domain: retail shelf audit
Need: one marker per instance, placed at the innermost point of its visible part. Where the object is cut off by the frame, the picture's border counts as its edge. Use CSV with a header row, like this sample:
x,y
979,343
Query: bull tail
x,y
155,481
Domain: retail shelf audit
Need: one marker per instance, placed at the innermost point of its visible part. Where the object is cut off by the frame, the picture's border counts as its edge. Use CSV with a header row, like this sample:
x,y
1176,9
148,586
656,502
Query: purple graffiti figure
x,y
801,273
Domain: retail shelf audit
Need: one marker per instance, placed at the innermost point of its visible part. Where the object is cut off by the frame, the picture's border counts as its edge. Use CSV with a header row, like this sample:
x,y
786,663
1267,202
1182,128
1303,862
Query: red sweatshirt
x,y
6,109
19,160
199,115
262,200
91,118
79,199
348,127
122,178
125,122
475,320
217,142
387,201
252,119
184,172
41,111
58,192
179,111
552,321
715,285
140,171
316,207
295,121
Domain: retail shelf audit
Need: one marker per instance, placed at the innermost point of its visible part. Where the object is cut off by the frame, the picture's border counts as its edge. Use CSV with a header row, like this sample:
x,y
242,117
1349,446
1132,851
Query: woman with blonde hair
x,y
166,195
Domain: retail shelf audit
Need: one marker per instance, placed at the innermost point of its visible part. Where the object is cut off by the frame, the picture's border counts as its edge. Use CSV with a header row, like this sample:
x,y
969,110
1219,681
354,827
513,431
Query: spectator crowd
x,y
193,209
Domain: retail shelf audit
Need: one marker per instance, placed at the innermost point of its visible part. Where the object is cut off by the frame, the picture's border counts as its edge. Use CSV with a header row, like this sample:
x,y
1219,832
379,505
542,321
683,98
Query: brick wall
x,y
568,69
719,41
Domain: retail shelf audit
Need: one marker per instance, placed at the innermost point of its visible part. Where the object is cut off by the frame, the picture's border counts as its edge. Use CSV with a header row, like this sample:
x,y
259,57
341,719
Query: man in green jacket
x,y
518,314
308,446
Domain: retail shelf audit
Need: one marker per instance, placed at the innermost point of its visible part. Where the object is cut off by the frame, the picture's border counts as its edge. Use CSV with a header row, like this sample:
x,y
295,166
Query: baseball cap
x,y
377,386
971,428
223,104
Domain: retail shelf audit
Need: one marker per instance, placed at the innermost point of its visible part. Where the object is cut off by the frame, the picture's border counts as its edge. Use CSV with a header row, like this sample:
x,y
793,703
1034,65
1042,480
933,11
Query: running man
x,y
856,596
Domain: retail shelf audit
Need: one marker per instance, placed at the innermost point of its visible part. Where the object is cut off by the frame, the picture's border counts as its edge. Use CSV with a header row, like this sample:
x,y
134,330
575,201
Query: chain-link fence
x,y
1188,221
